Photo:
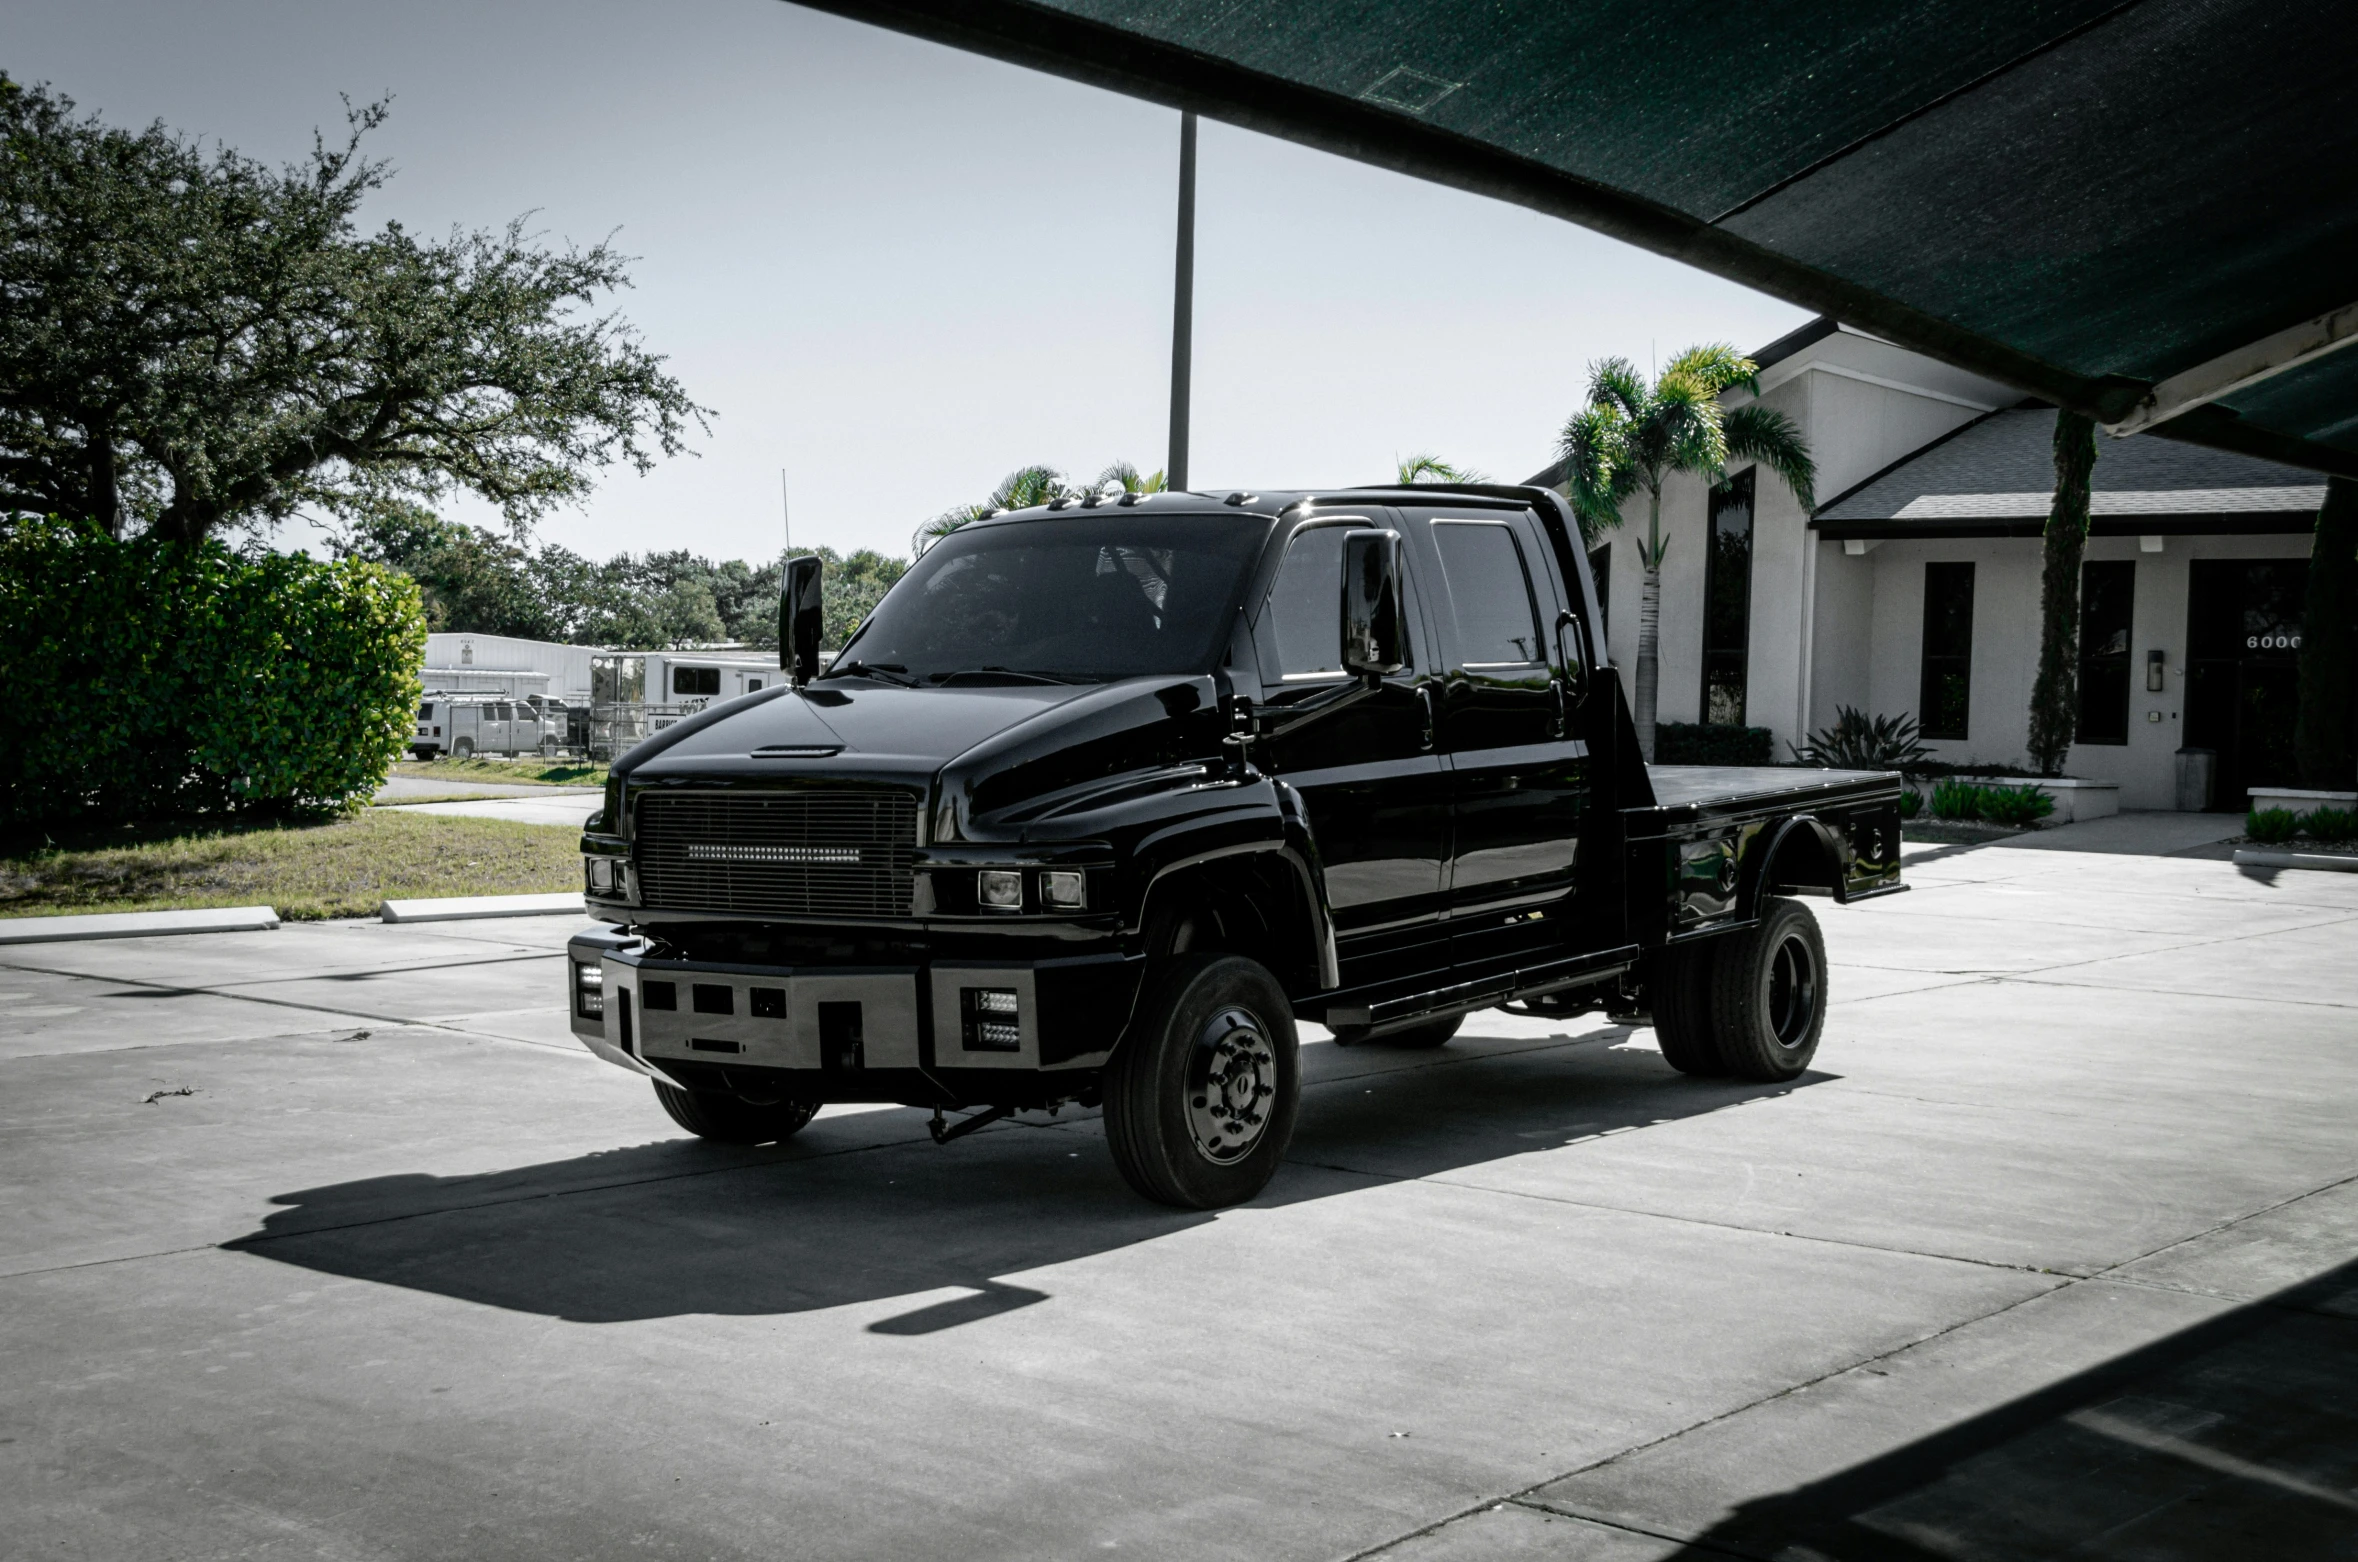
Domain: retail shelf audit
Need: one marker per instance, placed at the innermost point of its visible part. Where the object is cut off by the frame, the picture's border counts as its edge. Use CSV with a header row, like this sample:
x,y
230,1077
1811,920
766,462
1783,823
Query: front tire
x,y
724,1119
1768,994
1201,1094
464,748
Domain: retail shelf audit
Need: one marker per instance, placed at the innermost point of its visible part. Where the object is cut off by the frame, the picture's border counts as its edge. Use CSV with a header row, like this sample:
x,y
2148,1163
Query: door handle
x,y
1424,698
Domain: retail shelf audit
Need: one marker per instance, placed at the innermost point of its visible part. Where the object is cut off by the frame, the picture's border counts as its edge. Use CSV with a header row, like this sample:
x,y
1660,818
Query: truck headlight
x,y
999,889
1064,889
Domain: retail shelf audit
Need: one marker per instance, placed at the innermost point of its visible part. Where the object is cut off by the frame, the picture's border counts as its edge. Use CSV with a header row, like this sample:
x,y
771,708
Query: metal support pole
x,y
1182,307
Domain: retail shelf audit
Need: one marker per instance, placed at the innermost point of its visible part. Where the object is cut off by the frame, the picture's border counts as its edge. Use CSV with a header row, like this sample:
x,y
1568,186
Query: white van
x,y
467,724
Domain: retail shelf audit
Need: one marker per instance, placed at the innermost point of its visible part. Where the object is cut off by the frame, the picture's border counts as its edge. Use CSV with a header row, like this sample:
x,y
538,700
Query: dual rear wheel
x,y
1750,1004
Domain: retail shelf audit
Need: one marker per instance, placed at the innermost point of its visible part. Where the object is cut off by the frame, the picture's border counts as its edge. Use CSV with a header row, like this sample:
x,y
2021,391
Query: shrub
x,y
1954,799
2331,824
1911,803
157,678
1857,741
2271,824
2015,805
1696,743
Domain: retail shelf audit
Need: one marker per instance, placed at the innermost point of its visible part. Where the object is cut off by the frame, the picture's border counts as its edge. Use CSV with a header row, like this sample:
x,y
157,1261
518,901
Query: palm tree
x,y
1425,467
1632,435
1018,490
1124,476
2055,691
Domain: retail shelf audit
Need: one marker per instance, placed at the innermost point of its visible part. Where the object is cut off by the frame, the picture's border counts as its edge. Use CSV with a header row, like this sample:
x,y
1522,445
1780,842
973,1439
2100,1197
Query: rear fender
x,y
1805,855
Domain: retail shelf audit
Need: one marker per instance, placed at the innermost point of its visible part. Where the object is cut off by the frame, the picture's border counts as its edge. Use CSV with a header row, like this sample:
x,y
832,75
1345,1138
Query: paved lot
x,y
2057,1248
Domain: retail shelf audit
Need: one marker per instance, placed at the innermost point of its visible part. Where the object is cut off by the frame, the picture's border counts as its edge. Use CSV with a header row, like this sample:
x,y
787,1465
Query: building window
x,y
2108,591
1946,696
1727,602
695,680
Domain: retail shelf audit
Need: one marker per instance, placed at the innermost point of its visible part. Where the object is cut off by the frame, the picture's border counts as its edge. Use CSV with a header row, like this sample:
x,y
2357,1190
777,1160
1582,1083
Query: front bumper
x,y
946,1032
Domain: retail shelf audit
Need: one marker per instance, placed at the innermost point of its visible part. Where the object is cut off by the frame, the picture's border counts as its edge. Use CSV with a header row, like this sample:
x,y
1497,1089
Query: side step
x,y
1486,991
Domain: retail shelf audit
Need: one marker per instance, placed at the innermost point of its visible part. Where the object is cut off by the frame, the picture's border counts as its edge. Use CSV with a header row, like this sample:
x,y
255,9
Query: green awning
x,y
2127,209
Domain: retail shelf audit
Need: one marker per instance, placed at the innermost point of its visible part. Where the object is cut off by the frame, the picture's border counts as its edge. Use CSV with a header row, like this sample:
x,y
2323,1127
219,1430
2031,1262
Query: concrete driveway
x,y
328,1243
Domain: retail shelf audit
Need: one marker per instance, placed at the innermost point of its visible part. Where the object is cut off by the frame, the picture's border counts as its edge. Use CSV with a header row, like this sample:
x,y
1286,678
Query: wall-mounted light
x,y
2153,672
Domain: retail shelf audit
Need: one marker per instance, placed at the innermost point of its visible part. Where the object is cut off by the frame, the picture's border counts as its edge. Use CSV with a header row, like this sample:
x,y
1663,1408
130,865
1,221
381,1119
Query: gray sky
x,y
899,271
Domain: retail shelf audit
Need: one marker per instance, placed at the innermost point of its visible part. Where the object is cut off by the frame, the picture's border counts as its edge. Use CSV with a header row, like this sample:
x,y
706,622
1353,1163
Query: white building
x,y
1915,586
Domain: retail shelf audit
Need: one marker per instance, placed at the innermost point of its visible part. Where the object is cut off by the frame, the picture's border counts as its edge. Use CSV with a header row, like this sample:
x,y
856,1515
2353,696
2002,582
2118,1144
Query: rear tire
x,y
1432,1033
1681,991
724,1119
1768,994
464,748
1201,1094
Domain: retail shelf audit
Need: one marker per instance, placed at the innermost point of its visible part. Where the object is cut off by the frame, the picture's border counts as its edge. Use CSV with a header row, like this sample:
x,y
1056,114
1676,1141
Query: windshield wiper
x,y
883,672
996,672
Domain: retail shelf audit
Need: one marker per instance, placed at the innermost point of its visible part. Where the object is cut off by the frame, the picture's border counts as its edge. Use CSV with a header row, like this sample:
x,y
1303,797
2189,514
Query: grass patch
x,y
340,868
514,772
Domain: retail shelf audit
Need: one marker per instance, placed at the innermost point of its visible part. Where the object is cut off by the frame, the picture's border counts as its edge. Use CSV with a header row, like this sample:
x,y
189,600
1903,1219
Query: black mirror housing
x,y
1375,605
801,612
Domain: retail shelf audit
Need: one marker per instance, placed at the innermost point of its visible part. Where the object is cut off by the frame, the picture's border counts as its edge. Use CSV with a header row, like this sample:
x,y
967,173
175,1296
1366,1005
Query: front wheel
x,y
726,1119
464,748
1201,1094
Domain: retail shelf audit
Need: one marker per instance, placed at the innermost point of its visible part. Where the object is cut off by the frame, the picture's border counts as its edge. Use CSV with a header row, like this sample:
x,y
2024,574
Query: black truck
x,y
1106,794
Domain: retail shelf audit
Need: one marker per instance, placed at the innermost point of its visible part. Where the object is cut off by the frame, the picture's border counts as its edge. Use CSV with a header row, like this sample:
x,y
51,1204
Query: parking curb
x,y
463,908
2331,862
137,924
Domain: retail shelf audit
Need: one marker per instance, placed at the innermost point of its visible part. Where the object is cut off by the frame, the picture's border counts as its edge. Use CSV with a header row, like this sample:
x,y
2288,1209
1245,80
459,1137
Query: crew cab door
x,y
1520,781
1365,761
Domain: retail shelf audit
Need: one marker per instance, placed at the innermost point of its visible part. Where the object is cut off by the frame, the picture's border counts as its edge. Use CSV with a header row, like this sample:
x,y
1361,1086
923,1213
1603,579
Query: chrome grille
x,y
796,854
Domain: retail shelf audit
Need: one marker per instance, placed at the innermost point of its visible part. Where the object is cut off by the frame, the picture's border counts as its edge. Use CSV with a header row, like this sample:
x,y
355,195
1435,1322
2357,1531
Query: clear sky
x,y
898,271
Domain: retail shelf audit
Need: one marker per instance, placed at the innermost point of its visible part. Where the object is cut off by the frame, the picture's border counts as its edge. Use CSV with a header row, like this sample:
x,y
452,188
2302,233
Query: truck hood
x,y
868,728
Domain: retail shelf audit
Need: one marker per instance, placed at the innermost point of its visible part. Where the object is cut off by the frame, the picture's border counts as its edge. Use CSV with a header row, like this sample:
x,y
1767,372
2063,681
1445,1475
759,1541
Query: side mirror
x,y
801,610
1572,653
1375,607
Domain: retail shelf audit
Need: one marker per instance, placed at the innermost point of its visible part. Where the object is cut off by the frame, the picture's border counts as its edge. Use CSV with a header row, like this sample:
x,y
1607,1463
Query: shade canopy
x,y
2147,212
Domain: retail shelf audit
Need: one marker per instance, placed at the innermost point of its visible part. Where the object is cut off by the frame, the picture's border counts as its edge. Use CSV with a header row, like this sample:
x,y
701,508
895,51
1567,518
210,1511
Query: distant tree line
x,y
476,581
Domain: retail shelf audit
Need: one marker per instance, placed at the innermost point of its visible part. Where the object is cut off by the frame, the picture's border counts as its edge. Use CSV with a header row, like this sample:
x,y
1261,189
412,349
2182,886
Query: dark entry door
x,y
1519,791
2243,646
1365,762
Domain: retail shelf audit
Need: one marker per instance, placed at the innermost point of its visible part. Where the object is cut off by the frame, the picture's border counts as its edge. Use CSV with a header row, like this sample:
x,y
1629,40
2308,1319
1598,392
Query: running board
x,y
1484,992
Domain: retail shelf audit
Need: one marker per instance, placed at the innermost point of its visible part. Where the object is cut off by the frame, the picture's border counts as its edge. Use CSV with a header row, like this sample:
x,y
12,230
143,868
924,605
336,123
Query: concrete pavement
x,y
2056,1247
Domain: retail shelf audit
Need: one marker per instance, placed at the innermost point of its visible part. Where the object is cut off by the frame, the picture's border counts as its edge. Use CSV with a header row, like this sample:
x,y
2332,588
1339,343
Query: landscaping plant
x,y
2021,806
1954,799
158,678
2055,694
1858,741
1911,803
1631,436
2333,825
2271,826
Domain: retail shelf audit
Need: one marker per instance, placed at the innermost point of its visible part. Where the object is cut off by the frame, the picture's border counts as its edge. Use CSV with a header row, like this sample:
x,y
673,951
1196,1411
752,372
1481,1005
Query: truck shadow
x,y
862,1209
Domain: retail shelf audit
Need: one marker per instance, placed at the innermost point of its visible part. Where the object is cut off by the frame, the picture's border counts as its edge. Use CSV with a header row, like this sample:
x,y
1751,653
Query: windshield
x,y
1084,598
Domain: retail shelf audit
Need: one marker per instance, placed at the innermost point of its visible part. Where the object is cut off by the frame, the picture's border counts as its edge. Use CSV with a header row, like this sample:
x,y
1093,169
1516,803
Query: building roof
x,y
2132,210
1996,477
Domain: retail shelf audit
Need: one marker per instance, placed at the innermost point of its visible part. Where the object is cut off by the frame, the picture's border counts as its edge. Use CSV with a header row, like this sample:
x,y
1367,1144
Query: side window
x,y
1489,594
695,680
1306,605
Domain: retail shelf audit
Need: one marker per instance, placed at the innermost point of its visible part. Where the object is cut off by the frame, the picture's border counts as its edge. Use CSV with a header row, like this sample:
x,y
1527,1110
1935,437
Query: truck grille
x,y
800,854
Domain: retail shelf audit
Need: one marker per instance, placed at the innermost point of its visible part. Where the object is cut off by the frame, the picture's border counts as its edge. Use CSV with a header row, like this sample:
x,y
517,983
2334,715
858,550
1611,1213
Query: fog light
x,y
1064,889
589,990
1000,889
601,875
991,1023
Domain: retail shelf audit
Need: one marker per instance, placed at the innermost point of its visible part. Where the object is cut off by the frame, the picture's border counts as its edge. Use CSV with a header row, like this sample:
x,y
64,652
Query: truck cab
x,y
1106,794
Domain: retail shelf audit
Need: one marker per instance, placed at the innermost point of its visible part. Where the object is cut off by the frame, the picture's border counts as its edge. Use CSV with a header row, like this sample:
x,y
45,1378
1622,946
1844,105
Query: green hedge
x,y
1692,743
153,679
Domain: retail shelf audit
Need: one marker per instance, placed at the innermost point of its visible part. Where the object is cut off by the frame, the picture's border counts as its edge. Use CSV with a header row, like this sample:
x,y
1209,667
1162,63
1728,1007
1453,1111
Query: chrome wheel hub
x,y
1231,1086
